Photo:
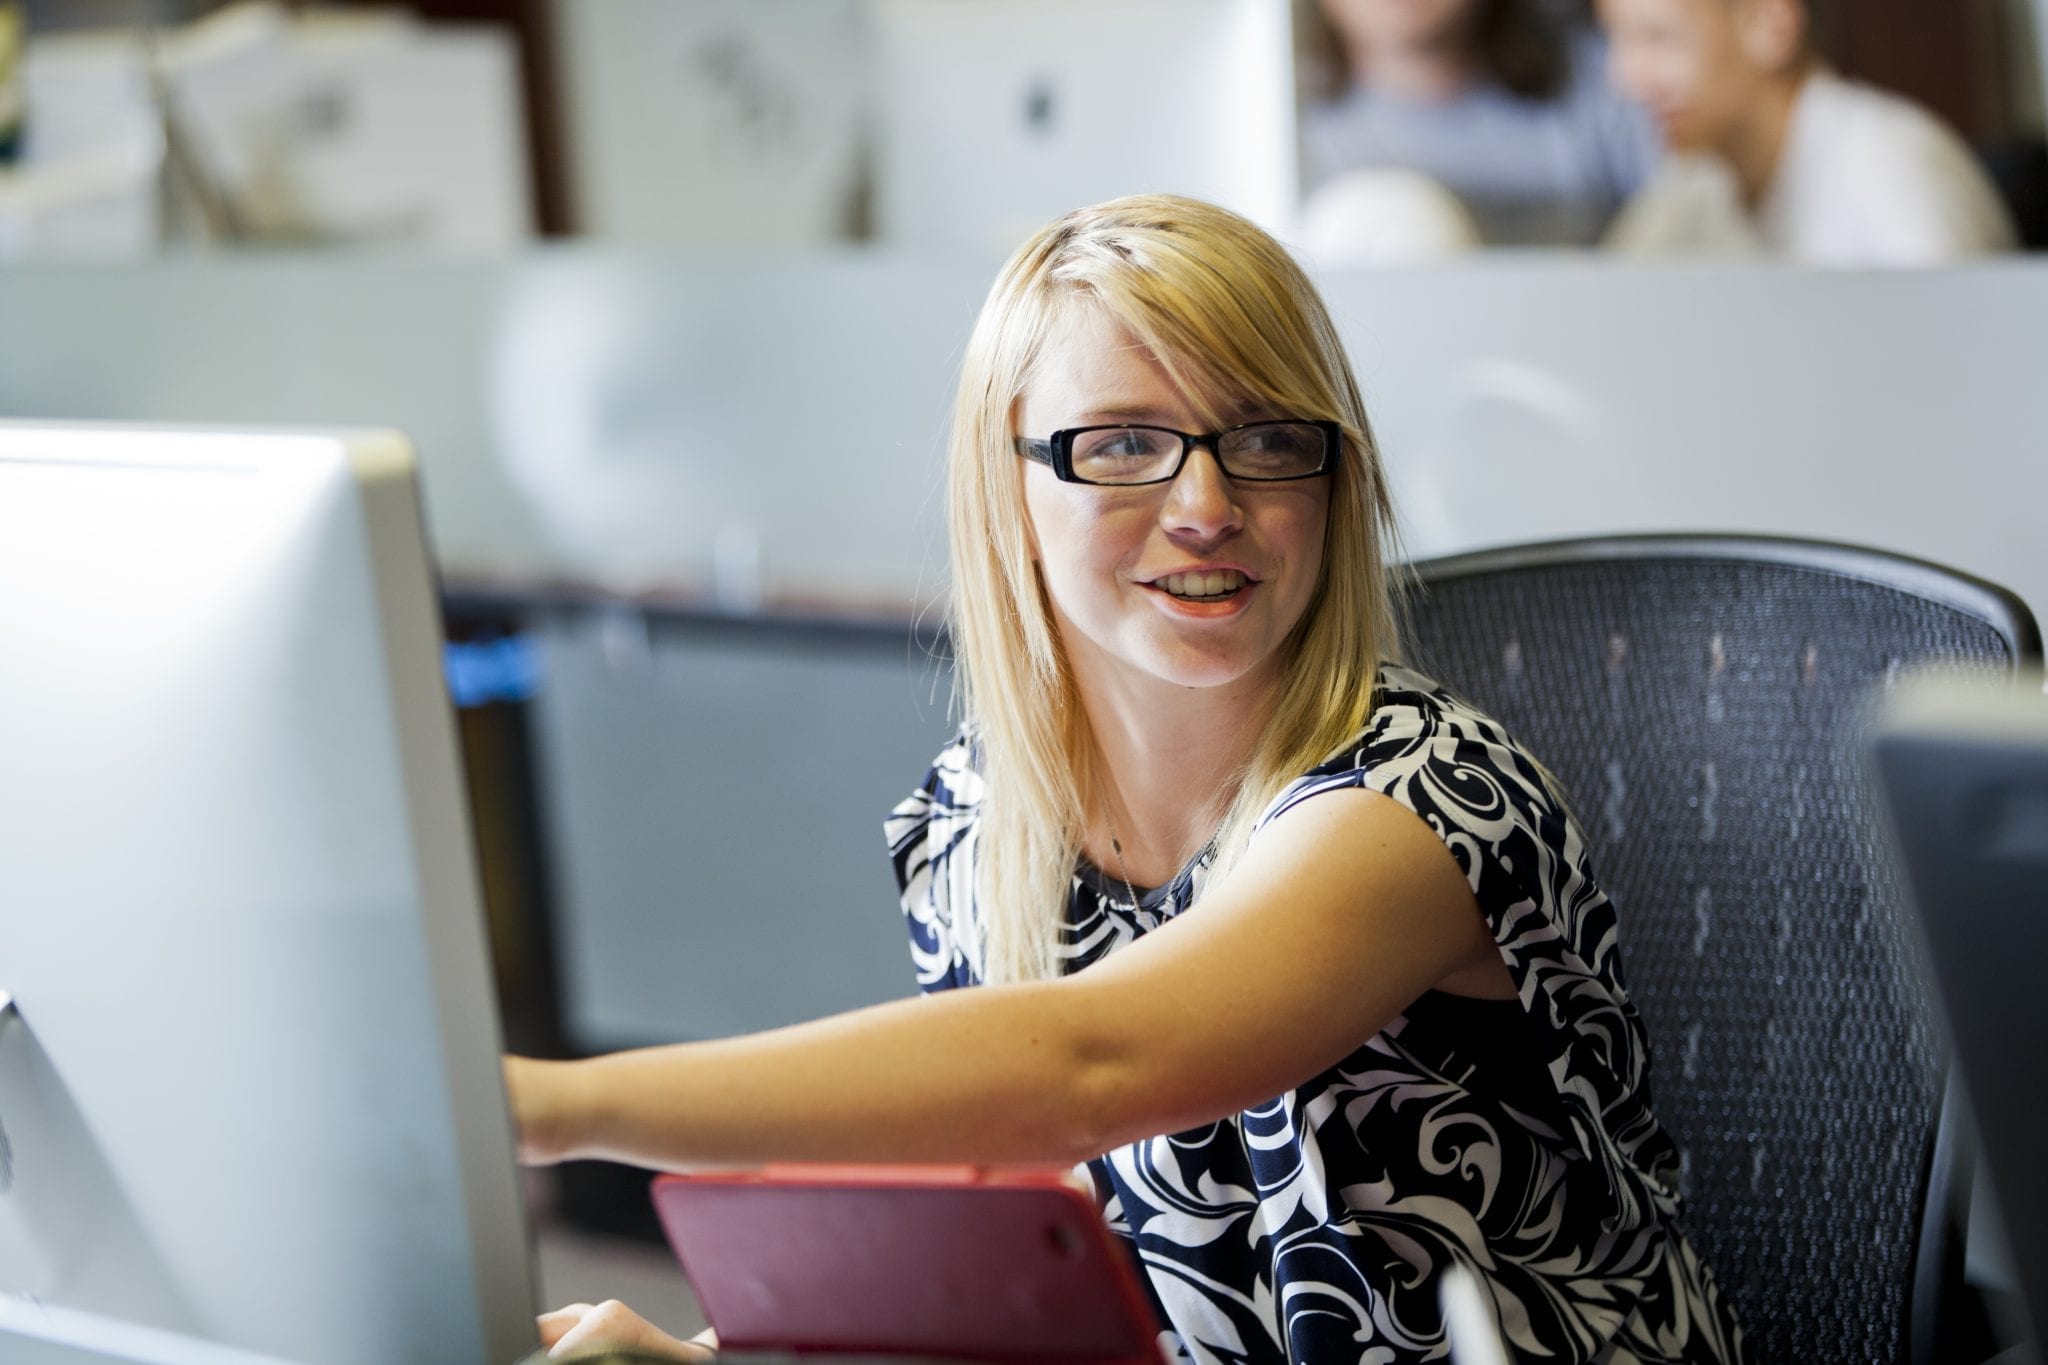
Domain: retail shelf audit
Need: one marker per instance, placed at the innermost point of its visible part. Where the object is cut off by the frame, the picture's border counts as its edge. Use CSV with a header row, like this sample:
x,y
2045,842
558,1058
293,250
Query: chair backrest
x,y
1697,697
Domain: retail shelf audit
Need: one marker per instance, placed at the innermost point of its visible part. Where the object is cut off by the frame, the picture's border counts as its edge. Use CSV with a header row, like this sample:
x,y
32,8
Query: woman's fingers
x,y
554,1326
585,1329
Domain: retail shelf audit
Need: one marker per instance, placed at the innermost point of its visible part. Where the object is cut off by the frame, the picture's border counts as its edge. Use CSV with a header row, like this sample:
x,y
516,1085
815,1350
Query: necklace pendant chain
x,y
1122,868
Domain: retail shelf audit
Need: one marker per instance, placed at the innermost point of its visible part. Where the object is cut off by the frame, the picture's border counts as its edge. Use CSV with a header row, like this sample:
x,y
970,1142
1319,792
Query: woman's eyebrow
x,y
1121,416
1161,416
1144,414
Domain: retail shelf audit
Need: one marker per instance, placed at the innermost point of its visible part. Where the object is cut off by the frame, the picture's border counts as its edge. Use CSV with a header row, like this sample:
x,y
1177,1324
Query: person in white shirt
x,y
1771,153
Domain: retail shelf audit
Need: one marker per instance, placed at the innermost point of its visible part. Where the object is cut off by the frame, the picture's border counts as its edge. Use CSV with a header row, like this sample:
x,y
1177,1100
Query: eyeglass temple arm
x,y
1030,449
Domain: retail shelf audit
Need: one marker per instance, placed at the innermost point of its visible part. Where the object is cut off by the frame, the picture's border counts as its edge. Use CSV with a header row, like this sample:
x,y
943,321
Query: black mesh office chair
x,y
1694,695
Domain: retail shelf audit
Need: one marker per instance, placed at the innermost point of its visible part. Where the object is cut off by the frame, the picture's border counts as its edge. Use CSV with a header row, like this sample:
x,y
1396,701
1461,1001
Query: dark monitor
x,y
1963,768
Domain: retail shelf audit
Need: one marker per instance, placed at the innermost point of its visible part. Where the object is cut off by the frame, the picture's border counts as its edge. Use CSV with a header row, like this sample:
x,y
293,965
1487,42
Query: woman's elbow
x,y
1101,1090
1110,1102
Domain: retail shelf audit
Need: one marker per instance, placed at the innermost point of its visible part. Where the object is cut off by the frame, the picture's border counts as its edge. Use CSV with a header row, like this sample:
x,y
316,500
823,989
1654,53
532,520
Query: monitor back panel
x,y
996,117
249,1088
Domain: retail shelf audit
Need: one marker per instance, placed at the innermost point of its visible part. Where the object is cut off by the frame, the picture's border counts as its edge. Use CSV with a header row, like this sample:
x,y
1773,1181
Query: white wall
x,y
1902,410
619,418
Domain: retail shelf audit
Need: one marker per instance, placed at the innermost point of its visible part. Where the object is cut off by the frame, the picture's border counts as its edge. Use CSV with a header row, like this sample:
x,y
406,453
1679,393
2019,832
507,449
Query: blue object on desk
x,y
480,672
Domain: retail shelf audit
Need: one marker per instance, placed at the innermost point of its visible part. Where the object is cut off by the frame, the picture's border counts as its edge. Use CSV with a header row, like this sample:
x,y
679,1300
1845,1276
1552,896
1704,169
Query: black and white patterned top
x,y
1514,1137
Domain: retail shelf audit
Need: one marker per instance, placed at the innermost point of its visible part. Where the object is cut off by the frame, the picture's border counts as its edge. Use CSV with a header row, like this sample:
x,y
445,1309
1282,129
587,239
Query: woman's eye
x,y
1122,445
1286,444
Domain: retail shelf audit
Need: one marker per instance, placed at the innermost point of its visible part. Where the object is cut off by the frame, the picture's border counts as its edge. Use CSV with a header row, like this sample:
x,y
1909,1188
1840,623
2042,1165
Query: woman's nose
x,y
1202,501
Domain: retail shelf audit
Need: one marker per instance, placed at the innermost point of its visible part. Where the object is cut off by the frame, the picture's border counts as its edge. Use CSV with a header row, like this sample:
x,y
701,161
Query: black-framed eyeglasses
x,y
1123,456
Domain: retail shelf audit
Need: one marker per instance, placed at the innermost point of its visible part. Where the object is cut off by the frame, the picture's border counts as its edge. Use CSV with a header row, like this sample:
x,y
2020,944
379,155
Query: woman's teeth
x,y
1211,583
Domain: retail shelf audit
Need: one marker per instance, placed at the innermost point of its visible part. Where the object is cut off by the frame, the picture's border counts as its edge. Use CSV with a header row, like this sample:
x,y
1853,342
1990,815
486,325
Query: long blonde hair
x,y
1233,320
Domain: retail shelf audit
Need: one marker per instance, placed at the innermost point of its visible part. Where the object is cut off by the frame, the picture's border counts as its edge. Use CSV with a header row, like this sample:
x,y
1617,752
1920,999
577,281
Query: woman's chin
x,y
1203,670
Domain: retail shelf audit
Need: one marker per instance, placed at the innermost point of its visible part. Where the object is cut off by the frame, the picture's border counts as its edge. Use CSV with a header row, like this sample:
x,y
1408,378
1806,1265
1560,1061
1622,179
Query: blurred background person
x,y
1772,152
1501,102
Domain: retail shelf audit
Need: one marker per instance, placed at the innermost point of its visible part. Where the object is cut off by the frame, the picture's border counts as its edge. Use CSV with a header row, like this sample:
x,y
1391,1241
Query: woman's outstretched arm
x,y
1343,911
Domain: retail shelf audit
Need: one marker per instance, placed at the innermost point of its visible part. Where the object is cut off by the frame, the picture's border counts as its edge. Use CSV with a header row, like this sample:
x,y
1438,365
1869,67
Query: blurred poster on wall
x,y
714,122
257,125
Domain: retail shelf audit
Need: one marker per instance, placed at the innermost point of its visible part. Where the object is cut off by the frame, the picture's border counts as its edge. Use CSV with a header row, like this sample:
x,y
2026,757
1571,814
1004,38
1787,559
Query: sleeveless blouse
x,y
1513,1137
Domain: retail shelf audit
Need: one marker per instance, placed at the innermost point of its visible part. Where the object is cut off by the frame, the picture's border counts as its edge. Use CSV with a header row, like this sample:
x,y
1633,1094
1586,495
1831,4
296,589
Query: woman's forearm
x,y
988,1075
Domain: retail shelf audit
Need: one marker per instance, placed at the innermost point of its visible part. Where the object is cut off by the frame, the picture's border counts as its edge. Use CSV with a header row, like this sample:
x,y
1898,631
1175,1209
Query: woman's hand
x,y
547,1108
591,1329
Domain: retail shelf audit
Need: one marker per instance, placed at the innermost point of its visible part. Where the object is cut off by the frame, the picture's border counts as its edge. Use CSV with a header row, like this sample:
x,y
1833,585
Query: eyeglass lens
x,y
1263,450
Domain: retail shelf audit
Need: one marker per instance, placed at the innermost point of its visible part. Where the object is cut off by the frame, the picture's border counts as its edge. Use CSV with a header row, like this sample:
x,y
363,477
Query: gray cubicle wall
x,y
628,420
615,418
624,420
713,794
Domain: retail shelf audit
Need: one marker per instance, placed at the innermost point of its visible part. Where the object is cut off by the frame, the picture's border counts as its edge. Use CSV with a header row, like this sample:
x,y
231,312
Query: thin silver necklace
x,y
1116,844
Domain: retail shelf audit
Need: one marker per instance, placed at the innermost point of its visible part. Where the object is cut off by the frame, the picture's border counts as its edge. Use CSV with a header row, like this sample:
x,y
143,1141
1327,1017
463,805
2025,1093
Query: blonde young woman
x,y
1298,952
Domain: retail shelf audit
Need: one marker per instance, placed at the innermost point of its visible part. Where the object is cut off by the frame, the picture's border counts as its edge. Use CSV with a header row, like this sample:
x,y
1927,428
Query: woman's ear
x,y
1773,33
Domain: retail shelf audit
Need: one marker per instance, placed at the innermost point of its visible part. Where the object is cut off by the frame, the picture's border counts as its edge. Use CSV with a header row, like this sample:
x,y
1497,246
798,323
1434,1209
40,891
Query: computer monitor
x,y
34,1333
249,1087
996,116
1963,768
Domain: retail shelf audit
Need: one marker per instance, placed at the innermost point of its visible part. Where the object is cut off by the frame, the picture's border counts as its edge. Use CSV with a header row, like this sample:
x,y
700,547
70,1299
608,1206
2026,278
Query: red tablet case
x,y
957,1262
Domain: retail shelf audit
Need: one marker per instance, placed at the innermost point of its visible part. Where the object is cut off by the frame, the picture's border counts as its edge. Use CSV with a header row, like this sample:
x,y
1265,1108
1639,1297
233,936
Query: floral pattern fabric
x,y
1512,1137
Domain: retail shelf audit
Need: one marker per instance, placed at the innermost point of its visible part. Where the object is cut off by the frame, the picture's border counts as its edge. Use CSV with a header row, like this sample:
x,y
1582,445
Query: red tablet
x,y
957,1262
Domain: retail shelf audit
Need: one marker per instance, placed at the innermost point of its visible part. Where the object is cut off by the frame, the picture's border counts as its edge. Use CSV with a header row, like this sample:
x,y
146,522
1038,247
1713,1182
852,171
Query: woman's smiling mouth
x,y
1202,585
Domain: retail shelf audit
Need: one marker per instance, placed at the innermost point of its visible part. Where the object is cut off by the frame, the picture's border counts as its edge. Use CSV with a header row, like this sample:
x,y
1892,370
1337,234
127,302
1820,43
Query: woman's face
x,y
1113,559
